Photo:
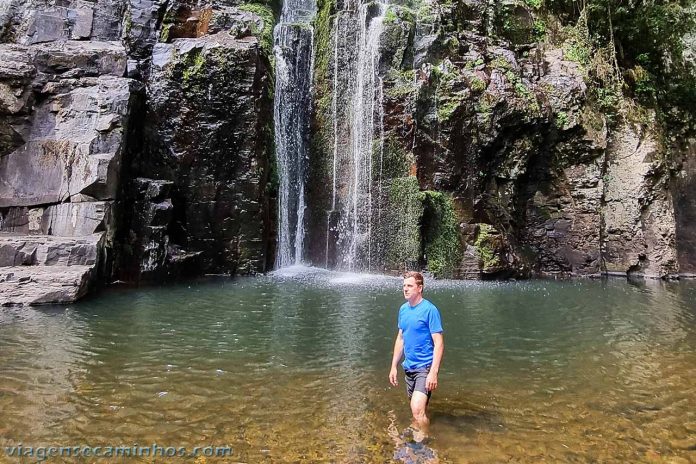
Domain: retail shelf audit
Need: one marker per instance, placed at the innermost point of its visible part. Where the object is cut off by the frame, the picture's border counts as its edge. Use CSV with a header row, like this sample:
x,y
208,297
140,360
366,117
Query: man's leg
x,y
419,403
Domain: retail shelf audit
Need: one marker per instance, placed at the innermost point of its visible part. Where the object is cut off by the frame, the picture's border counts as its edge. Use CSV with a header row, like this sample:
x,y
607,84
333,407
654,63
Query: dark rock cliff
x,y
135,143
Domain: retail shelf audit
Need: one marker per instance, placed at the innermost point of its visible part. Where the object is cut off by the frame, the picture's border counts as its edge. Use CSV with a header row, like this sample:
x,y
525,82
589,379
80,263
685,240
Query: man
x,y
420,340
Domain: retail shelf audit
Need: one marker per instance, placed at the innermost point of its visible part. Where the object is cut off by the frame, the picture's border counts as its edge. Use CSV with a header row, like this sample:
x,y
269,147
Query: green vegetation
x,y
167,22
518,85
561,119
440,229
402,83
539,29
193,65
405,211
127,22
474,64
484,107
476,84
390,16
643,44
322,76
485,244
447,80
395,160
268,18
164,33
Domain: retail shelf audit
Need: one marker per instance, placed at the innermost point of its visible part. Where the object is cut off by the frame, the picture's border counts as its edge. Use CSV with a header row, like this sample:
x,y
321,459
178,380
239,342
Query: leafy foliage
x,y
646,39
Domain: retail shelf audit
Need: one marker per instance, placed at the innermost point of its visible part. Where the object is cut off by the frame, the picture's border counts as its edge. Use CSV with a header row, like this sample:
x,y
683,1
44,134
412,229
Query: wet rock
x,y
683,190
200,187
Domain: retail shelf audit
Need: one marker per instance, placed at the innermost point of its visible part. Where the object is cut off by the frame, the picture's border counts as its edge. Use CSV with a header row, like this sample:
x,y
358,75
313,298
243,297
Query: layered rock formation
x,y
65,111
122,157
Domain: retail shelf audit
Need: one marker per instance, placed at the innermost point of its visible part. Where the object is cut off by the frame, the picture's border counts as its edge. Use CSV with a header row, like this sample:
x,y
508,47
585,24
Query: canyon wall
x,y
136,143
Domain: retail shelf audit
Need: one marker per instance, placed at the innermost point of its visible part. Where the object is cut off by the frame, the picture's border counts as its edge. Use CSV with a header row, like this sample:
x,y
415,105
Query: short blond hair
x,y
417,276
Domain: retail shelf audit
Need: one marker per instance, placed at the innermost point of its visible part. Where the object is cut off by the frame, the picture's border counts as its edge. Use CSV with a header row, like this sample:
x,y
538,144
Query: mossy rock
x,y
442,247
403,212
516,23
489,244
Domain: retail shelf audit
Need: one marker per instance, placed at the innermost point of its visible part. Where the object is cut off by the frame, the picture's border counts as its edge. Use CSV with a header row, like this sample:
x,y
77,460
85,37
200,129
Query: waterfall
x,y
294,55
361,77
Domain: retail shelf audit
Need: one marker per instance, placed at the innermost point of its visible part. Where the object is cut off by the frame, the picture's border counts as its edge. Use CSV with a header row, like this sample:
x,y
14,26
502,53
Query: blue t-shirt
x,y
418,323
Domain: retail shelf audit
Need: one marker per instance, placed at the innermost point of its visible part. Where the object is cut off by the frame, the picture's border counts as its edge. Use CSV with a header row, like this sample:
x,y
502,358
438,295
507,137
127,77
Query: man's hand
x,y
392,377
431,381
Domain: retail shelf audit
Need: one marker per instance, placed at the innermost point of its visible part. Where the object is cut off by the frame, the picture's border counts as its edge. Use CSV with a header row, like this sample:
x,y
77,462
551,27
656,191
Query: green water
x,y
294,369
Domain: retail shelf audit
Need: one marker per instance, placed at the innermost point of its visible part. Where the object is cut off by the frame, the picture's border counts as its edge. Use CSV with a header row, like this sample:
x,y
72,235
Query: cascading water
x,y
294,54
360,77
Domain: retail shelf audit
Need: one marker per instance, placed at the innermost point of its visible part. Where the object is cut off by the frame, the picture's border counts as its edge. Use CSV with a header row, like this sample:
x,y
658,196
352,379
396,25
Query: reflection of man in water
x,y
420,340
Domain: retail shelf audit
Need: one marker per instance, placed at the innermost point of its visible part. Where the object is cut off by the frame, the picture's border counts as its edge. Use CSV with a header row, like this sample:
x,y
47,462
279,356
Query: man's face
x,y
411,289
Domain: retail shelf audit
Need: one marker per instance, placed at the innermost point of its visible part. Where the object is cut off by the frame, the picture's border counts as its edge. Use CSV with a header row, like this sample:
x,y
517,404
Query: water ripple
x,y
293,366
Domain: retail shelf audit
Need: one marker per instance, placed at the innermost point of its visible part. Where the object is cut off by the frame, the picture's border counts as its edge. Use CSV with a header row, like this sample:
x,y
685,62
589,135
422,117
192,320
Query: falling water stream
x,y
294,54
365,126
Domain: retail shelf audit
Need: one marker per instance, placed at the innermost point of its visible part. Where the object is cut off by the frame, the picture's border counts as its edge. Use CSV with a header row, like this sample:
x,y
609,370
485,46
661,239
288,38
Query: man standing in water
x,y
420,342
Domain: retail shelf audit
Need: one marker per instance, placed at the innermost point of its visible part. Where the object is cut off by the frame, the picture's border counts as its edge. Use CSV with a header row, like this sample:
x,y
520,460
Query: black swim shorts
x,y
415,381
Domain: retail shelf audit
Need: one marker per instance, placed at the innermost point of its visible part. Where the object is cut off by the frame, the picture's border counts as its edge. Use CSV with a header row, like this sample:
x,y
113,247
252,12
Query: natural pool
x,y
293,368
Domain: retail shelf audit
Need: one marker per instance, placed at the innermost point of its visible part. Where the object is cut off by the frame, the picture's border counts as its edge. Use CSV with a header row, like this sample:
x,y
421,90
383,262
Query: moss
x,y
427,13
561,119
476,84
405,211
164,33
485,244
539,29
450,90
395,160
401,83
473,64
127,23
193,65
446,108
442,247
518,85
390,17
514,23
167,22
267,15
576,46
323,53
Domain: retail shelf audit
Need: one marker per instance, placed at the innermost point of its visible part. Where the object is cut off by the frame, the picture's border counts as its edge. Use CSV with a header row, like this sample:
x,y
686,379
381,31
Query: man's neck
x,y
416,301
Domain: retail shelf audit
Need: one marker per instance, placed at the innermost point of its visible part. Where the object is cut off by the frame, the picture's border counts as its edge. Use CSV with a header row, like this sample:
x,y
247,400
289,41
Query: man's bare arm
x,y
398,353
439,349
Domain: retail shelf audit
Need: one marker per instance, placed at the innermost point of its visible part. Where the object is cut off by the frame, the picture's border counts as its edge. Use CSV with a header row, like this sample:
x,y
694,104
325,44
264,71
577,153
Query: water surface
x,y
293,368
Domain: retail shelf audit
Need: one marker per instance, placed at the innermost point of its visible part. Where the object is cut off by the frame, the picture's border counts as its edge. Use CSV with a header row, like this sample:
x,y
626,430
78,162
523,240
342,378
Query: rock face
x,y
65,110
519,172
123,157
200,181
683,190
